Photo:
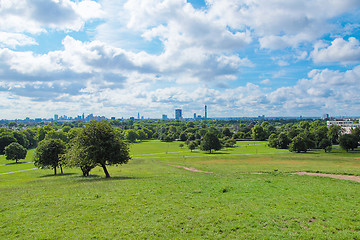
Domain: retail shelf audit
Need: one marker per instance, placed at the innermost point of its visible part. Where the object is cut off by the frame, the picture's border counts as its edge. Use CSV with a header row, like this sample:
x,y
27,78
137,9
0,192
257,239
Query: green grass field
x,y
149,199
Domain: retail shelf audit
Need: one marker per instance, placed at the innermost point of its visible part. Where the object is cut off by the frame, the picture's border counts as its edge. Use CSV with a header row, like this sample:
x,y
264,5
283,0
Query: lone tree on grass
x,y
192,146
15,152
210,142
298,145
348,141
49,154
97,145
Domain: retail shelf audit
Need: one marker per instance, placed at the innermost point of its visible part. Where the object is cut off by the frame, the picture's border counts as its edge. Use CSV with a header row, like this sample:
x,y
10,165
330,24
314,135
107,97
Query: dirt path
x,y
190,169
343,177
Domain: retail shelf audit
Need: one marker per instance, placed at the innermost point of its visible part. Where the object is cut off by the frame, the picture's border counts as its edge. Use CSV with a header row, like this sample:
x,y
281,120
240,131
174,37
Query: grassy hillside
x,y
148,198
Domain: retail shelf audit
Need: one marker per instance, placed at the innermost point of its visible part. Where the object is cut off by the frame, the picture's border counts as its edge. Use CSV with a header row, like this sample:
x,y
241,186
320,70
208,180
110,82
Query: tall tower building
x,y
205,112
178,114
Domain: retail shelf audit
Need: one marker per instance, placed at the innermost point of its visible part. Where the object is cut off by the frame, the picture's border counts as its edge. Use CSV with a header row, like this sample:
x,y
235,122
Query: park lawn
x,y
147,198
10,166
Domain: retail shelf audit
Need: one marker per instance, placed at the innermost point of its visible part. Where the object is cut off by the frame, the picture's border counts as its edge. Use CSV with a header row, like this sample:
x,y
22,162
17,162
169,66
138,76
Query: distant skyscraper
x,y
194,115
56,117
164,117
205,112
178,114
138,116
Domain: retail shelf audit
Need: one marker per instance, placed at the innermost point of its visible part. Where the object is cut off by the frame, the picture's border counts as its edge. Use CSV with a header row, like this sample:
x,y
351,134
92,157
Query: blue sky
x,y
241,58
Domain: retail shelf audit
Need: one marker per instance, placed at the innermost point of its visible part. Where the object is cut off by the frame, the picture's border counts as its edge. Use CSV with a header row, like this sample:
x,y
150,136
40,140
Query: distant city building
x,y
138,116
347,125
325,116
205,112
194,115
178,114
56,117
132,118
164,117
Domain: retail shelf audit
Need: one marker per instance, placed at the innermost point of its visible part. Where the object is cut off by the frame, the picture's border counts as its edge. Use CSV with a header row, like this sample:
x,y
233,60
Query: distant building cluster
x,y
179,115
346,124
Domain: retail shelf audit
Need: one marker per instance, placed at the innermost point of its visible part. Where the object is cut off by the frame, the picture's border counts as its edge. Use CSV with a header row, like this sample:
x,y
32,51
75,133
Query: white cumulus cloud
x,y
340,50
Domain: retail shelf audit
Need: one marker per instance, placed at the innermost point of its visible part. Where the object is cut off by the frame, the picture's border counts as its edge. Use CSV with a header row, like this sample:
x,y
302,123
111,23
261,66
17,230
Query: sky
x,y
118,58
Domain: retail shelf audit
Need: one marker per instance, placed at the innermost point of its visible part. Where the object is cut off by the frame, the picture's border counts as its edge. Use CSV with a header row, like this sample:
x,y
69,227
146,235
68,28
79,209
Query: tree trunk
x,y
105,170
61,170
54,170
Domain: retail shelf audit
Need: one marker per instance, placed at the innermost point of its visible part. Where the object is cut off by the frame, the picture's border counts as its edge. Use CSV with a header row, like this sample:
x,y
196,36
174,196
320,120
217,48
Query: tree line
x,y
106,143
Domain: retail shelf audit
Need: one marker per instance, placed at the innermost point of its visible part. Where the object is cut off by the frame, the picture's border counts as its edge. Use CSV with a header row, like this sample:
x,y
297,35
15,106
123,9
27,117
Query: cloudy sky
x,y
239,57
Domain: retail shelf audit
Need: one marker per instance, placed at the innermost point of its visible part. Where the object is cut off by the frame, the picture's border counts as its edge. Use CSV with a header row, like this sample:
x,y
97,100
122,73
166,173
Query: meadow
x,y
150,198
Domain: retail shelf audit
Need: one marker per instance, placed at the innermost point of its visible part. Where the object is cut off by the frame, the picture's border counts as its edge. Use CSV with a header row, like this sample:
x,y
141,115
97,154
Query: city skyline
x,y
240,58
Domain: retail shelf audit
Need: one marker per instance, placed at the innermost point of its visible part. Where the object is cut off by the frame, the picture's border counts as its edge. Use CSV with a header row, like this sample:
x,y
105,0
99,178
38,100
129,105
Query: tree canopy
x,y
15,151
48,154
210,142
97,145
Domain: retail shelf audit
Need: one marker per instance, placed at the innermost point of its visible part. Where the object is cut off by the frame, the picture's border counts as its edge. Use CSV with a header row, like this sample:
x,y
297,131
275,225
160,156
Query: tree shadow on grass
x,y
95,177
57,175
216,153
15,163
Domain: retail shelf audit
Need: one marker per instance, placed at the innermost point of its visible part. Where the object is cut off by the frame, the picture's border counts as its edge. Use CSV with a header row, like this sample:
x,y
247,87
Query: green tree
x,y
15,151
283,141
356,133
31,137
258,133
63,136
5,139
334,133
348,141
141,135
320,134
21,138
226,132
131,135
273,141
192,146
210,142
325,144
298,144
66,129
97,145
48,154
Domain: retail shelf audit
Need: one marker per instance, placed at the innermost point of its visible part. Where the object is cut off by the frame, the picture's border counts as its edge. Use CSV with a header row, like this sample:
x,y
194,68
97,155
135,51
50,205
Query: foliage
x,y
131,135
66,129
141,135
15,151
31,137
192,146
334,133
5,139
326,144
348,141
298,144
97,145
210,142
258,133
48,154
226,132
63,136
